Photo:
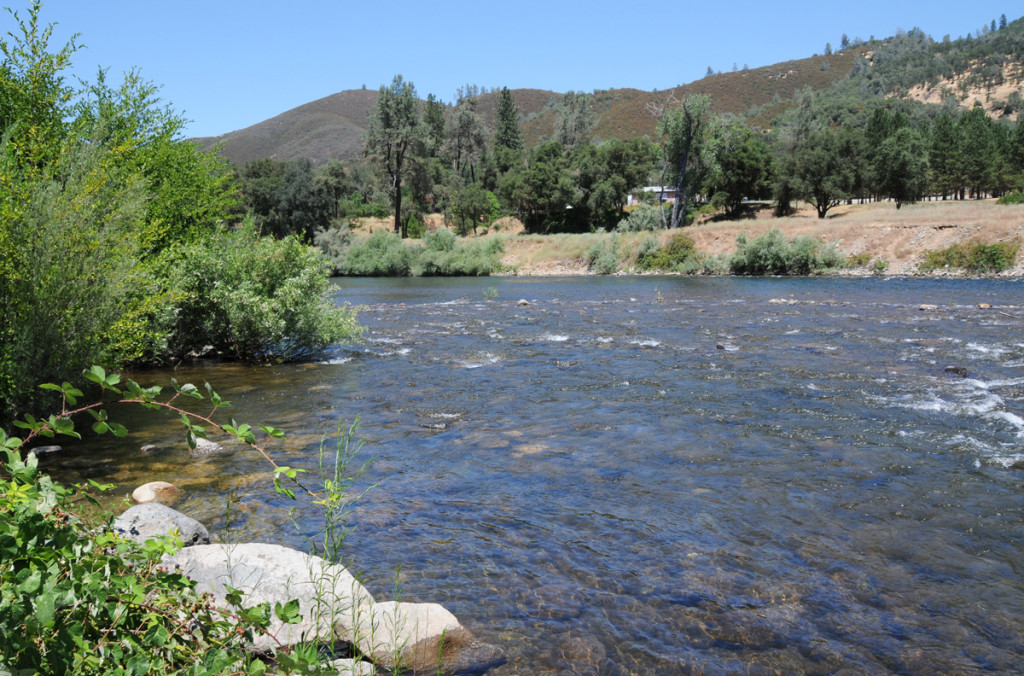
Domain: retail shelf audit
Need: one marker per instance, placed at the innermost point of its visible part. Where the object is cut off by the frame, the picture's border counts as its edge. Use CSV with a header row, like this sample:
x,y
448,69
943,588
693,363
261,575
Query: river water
x,y
657,475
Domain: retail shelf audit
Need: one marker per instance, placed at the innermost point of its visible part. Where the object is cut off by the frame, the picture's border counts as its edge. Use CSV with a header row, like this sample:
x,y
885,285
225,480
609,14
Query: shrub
x,y
975,257
382,254
771,254
445,254
678,252
1015,197
858,260
256,299
602,257
645,217
334,242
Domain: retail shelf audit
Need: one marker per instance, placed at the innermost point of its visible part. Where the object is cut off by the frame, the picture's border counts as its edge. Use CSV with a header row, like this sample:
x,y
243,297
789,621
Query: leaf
x,y
289,612
272,431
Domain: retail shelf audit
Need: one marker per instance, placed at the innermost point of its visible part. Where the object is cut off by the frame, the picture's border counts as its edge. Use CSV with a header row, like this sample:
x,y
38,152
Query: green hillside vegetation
x,y
842,127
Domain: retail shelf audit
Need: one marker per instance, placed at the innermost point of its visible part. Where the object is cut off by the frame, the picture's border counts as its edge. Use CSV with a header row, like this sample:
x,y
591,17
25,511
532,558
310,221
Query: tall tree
x,y
466,135
979,150
394,139
944,156
574,119
901,166
744,164
433,119
821,175
508,135
688,136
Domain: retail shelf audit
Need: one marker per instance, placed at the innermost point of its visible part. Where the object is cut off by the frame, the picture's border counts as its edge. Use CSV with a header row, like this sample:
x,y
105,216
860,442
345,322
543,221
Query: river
x,y
656,475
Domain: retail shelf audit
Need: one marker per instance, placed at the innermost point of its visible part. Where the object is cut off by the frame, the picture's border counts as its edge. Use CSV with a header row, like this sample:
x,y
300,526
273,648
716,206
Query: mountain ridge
x,y
332,127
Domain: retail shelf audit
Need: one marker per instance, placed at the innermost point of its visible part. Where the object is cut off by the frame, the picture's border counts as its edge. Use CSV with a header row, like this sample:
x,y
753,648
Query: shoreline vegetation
x,y
868,239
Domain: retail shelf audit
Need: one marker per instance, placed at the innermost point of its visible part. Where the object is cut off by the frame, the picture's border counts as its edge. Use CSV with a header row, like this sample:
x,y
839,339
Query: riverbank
x,y
875,232
872,231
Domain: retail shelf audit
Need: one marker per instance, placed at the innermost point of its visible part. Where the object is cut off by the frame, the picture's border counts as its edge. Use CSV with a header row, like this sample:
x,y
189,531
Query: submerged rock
x,y
928,307
205,447
957,370
522,302
156,491
43,451
152,519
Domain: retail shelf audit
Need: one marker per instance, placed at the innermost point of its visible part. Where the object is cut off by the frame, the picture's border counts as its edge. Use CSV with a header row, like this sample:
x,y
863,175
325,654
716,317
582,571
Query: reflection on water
x,y
658,475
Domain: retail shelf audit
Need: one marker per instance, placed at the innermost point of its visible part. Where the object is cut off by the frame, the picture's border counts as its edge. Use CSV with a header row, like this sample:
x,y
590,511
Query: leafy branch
x,y
130,392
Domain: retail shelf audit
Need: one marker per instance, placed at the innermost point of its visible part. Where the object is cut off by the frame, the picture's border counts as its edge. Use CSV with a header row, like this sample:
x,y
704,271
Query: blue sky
x,y
227,64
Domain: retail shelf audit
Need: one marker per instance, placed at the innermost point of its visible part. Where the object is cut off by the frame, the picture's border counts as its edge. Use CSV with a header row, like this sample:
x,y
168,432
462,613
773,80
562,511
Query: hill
x,y
986,68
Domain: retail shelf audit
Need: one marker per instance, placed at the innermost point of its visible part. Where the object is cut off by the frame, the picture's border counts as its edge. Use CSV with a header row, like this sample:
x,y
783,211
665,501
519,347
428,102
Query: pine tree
x,y
508,136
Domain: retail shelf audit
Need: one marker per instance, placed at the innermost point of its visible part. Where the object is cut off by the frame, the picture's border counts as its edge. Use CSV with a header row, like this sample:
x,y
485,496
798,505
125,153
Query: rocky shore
x,y
336,610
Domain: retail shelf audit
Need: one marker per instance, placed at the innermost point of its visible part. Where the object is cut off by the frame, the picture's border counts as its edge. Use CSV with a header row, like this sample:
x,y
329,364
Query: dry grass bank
x,y
880,231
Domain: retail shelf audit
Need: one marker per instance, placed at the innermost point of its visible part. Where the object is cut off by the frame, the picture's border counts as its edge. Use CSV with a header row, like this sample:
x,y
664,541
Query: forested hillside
x,y
987,67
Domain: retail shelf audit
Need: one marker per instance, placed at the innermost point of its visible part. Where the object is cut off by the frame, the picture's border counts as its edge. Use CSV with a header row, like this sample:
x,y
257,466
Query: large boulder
x,y
152,519
423,638
412,637
330,599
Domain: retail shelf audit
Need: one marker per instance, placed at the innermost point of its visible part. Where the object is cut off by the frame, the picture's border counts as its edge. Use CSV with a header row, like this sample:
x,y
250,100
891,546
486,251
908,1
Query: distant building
x,y
666,193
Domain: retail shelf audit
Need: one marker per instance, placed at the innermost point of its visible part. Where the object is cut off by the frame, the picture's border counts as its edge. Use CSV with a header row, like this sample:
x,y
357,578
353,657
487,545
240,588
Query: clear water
x,y
658,475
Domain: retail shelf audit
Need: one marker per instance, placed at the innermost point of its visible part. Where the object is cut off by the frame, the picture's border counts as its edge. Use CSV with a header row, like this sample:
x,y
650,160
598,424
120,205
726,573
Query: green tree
x,y
466,136
395,139
743,167
978,151
541,191
508,135
820,173
433,120
944,156
574,119
688,133
901,166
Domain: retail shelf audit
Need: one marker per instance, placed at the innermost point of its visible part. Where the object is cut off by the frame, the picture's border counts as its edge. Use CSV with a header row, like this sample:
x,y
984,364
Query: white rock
x,y
331,600
156,491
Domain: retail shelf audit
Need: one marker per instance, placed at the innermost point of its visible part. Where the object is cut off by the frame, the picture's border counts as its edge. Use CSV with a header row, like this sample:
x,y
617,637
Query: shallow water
x,y
658,475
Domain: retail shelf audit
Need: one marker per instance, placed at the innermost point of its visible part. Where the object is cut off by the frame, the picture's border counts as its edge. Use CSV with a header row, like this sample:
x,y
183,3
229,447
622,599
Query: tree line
x,y
426,157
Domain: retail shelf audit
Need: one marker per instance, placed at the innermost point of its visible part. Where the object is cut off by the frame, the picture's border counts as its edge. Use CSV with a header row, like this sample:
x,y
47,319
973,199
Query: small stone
x,y
957,370
719,346
522,302
984,306
205,447
156,491
928,307
147,449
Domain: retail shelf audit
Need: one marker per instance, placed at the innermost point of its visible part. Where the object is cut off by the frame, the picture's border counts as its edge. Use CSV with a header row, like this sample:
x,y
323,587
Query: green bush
x,y
1015,197
603,258
256,298
382,254
772,254
445,254
975,257
679,251
644,217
